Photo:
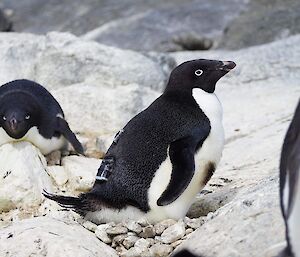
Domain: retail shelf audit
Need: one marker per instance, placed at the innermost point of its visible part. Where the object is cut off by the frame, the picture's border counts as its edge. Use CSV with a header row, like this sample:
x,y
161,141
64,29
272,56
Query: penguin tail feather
x,y
79,204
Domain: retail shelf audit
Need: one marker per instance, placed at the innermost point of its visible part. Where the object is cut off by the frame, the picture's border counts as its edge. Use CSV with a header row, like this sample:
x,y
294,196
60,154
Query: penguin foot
x,y
106,168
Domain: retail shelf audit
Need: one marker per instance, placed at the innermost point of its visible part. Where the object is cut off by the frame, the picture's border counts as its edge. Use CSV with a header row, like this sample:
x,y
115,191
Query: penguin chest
x,y
33,136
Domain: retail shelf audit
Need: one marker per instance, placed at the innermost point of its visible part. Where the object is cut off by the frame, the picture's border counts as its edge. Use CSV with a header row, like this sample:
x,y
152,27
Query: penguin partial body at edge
x,y
28,112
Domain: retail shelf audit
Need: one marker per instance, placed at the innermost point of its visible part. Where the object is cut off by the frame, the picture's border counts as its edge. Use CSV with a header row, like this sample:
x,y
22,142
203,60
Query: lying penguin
x,y
290,186
28,112
164,156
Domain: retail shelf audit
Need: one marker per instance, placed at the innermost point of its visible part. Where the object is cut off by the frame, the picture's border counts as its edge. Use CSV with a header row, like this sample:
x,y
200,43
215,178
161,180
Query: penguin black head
x,y
199,73
18,115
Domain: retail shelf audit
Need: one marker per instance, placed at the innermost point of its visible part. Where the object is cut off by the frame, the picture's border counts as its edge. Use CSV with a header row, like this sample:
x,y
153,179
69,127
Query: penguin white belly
x,y
210,153
293,220
33,136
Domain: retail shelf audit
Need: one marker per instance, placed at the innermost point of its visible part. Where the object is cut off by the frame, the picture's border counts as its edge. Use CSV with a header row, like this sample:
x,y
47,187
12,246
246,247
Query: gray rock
x,y
101,233
189,231
268,21
59,175
117,230
147,232
173,233
121,250
161,250
129,241
162,225
177,243
178,27
133,226
141,245
125,24
54,158
151,241
243,228
118,240
132,252
81,172
143,222
194,223
89,226
23,177
43,237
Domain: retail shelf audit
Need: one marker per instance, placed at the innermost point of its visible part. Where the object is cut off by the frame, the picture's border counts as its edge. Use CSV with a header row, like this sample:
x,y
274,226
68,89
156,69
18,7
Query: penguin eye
x,y
3,117
198,72
27,117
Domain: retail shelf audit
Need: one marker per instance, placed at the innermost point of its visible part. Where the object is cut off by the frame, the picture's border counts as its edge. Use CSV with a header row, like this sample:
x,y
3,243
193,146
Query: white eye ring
x,y
27,117
198,72
4,118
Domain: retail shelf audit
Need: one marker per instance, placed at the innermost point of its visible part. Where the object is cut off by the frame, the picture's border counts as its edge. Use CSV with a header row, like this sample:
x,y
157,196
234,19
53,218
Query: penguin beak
x,y
13,123
227,65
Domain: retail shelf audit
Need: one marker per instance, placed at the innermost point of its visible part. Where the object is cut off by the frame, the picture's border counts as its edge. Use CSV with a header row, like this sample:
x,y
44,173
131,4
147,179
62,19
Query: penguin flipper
x,y
182,157
63,128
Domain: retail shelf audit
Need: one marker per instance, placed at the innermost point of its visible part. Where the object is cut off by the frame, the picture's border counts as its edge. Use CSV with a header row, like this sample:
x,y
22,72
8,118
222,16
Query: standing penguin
x,y
290,186
165,155
28,112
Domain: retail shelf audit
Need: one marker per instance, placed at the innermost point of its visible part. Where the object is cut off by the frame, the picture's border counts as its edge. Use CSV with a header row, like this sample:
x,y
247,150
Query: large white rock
x,y
45,237
81,172
246,227
99,87
22,176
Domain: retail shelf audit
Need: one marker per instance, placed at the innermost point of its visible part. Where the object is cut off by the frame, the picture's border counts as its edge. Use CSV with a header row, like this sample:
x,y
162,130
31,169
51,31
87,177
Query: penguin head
x,y
199,73
18,116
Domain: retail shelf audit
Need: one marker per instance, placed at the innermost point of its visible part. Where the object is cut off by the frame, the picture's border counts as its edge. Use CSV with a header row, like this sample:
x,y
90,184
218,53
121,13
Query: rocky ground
x,y
101,87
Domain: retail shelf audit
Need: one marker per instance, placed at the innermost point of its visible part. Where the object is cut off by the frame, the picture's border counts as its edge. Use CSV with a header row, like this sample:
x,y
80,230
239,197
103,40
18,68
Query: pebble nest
x,y
139,238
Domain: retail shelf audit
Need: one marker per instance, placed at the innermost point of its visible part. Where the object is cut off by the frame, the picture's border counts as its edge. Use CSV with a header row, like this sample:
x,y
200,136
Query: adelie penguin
x,y
164,156
28,112
290,186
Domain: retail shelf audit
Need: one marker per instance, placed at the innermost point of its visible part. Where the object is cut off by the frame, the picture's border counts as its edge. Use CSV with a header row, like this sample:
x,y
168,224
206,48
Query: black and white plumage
x,y
290,185
165,155
28,112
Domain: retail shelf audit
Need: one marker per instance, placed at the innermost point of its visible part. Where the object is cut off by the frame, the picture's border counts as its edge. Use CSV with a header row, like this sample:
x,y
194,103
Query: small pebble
x,y
143,222
89,225
147,232
101,233
117,230
189,231
133,226
141,244
173,233
176,243
151,241
118,240
129,241
194,223
132,252
120,250
161,250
